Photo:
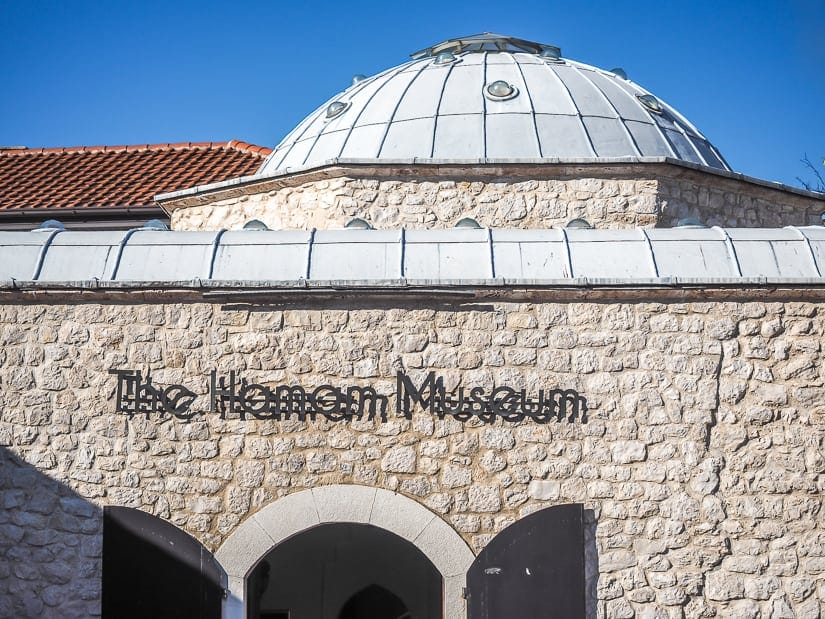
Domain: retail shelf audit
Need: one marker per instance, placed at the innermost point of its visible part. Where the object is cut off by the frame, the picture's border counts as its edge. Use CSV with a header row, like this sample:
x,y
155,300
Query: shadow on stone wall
x,y
52,556
591,564
406,300
50,545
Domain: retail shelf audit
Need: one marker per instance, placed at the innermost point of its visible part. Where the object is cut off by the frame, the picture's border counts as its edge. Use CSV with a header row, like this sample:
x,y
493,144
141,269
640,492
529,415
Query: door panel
x,y
533,569
153,569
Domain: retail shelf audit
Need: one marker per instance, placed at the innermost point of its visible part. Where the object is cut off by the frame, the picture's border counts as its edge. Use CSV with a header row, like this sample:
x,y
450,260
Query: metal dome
x,y
452,102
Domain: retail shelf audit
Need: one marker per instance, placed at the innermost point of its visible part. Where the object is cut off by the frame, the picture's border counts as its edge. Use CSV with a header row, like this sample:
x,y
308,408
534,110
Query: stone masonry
x,y
701,463
619,196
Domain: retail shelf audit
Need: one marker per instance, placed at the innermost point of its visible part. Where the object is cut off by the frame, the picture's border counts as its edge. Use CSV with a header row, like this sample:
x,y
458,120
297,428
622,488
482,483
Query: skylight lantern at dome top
x,y
486,42
492,98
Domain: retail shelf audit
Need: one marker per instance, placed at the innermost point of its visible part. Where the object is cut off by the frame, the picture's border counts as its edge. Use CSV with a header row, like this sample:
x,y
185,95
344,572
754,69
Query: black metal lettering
x,y
503,402
220,395
532,408
361,400
477,398
451,404
147,398
328,401
254,399
136,393
128,382
291,399
178,400
407,395
571,399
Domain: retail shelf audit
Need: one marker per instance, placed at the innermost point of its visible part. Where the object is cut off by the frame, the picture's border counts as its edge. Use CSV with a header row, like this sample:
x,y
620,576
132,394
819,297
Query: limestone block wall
x,y
701,464
50,542
432,204
722,202
618,197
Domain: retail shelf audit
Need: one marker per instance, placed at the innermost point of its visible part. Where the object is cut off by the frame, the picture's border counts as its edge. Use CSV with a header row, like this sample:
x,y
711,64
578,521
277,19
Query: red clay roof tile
x,y
117,176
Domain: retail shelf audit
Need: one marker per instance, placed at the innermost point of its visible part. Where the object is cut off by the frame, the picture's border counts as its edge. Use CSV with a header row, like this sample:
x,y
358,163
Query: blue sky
x,y
749,75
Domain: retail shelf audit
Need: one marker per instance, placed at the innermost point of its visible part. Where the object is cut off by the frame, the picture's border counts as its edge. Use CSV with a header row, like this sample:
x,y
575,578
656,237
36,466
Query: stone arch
x,y
306,509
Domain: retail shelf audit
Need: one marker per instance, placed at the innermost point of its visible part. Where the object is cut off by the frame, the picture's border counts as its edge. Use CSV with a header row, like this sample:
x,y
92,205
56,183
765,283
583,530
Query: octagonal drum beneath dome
x,y
440,106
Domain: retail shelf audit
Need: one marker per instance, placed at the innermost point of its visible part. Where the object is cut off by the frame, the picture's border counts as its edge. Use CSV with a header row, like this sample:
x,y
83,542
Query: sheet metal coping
x,y
412,259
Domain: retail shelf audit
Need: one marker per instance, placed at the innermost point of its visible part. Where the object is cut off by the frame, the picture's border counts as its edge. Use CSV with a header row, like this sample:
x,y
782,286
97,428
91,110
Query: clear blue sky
x,y
750,75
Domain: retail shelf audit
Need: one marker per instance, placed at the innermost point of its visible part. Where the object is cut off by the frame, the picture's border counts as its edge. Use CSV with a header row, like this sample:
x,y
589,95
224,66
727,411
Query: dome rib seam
x,y
619,117
532,107
380,87
438,107
578,114
388,124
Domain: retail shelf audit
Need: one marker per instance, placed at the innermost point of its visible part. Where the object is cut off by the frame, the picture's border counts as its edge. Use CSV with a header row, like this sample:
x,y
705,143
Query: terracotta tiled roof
x,y
98,177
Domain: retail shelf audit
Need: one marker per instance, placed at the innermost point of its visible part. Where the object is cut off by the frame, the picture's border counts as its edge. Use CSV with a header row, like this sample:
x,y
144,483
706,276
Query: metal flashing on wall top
x,y
445,257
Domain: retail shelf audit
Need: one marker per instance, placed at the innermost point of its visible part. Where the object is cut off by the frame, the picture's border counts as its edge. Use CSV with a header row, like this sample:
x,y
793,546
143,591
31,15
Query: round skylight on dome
x,y
579,224
484,42
255,224
651,103
551,53
468,222
336,108
358,224
155,224
445,58
690,222
500,90
51,224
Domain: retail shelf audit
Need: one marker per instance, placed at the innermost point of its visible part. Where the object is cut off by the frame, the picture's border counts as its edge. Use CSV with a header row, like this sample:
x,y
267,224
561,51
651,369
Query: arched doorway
x,y
302,511
344,571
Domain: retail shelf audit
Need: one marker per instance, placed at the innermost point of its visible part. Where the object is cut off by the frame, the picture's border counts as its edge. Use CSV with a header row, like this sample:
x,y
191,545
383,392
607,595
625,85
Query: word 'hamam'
x,y
235,397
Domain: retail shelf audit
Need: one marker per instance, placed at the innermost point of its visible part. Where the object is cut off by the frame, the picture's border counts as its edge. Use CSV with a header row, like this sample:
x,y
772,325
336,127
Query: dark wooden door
x,y
533,569
153,569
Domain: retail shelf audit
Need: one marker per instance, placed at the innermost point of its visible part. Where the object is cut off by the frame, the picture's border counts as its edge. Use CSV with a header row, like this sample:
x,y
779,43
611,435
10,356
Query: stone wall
x,y
701,462
50,538
433,204
728,203
522,197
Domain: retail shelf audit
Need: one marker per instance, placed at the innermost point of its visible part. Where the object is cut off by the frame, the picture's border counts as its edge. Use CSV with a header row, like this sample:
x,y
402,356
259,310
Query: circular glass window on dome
x,y
468,222
358,224
445,58
336,108
500,90
551,53
51,224
579,224
255,224
651,103
154,224
619,72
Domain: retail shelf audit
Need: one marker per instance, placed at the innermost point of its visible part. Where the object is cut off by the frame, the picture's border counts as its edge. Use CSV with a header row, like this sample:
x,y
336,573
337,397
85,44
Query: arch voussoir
x,y
300,511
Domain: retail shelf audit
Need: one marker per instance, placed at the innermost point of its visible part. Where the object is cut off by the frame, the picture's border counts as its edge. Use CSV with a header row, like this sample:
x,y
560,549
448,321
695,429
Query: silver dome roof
x,y
438,107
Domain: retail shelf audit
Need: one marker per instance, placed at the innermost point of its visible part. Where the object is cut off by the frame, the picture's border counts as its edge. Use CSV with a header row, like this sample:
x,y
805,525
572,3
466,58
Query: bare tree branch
x,y
818,183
